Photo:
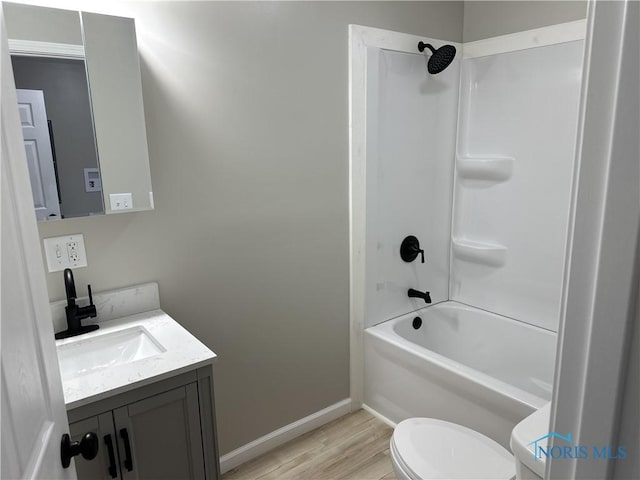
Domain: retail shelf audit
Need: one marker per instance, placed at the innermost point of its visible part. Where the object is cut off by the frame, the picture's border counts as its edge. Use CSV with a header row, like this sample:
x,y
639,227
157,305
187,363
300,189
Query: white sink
x,y
99,352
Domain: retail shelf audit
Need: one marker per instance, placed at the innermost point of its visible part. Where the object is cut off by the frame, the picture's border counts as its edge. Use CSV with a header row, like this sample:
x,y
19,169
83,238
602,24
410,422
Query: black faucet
x,y
416,294
75,313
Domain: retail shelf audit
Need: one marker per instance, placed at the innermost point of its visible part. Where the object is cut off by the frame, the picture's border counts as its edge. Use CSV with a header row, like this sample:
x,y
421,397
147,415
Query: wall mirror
x,y
79,92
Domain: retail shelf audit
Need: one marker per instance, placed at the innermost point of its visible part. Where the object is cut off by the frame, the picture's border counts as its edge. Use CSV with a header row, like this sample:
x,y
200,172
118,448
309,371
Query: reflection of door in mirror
x,y
37,144
60,86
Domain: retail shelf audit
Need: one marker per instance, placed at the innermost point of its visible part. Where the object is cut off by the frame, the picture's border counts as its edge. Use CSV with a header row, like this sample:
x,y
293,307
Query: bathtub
x,y
463,365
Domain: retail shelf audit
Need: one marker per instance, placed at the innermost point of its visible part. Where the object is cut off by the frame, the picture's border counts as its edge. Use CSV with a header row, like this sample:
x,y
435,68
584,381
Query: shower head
x,y
440,58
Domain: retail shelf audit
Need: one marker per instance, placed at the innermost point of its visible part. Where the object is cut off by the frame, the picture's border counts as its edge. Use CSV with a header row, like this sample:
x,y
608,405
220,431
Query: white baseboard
x,y
379,416
282,435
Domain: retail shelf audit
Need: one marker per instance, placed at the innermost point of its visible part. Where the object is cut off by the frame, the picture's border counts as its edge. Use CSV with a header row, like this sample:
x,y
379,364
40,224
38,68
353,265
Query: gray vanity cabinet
x,y
164,439
160,431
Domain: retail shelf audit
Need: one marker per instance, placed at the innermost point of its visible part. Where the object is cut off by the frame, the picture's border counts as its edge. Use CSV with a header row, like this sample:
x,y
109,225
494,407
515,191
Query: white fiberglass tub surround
x,y
476,162
464,365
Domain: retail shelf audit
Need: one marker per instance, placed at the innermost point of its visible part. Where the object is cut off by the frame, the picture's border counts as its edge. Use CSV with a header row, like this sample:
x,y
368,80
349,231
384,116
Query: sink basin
x,y
99,352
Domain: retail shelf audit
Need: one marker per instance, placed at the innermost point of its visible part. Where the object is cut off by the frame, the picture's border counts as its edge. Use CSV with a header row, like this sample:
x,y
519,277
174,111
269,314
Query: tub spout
x,y
416,294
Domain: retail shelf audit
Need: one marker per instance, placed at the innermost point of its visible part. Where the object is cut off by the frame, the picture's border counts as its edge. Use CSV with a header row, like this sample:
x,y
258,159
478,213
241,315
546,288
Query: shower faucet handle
x,y
410,248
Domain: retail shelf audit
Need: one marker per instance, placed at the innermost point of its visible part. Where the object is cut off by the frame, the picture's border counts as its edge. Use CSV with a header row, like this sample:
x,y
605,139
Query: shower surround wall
x,y
493,226
410,150
516,139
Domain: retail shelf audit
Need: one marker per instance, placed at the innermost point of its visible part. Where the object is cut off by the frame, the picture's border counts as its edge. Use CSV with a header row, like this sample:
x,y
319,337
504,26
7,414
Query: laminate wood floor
x,y
353,447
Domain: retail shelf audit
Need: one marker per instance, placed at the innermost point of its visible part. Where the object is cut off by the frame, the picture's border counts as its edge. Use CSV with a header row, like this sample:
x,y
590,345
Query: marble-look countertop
x,y
183,352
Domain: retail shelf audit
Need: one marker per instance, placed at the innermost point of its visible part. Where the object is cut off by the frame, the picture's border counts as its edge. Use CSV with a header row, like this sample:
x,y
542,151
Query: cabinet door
x,y
160,437
105,465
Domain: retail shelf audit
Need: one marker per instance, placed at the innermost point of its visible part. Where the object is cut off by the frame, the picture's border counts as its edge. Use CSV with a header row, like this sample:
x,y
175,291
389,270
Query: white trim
x,y
278,437
357,203
360,38
379,416
389,40
538,37
45,49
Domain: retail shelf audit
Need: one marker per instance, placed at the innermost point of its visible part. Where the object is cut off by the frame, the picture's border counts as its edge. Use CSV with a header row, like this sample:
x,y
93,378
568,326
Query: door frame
x,y
34,48
603,252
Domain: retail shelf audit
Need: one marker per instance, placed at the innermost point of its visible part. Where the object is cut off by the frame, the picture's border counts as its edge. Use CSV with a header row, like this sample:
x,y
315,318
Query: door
x,y
37,146
160,437
105,465
32,410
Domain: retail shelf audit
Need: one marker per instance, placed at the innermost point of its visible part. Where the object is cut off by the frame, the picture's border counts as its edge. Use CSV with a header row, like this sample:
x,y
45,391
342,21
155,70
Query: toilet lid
x,y
429,448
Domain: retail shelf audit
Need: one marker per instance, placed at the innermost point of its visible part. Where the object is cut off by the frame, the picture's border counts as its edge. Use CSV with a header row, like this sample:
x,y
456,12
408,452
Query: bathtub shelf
x,y
490,254
491,168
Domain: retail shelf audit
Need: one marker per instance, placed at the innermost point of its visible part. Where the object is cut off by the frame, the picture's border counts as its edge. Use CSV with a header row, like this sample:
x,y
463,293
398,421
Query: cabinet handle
x,y
112,457
128,461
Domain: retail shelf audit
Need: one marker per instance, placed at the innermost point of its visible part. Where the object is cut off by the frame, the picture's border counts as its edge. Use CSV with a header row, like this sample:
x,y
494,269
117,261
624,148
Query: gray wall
x,y
247,118
489,19
66,97
27,22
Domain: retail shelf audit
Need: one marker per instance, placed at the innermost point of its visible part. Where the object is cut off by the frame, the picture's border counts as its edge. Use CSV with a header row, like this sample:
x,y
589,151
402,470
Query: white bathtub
x,y
463,365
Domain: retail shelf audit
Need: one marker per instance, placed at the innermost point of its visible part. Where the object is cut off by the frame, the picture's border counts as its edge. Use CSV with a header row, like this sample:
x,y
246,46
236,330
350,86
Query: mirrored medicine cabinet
x,y
79,90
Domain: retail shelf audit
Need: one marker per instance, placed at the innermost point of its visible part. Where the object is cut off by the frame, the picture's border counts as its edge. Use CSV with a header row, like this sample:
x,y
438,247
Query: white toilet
x,y
536,425
427,448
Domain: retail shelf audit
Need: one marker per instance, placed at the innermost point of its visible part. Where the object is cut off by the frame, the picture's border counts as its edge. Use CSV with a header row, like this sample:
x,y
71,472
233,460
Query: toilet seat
x,y
427,448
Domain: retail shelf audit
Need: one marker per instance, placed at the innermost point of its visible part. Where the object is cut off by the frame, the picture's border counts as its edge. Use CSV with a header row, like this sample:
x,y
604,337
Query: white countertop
x,y
184,352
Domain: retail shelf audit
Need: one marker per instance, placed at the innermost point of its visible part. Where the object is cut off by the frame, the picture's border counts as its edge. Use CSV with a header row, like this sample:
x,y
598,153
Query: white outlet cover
x,y
121,201
65,252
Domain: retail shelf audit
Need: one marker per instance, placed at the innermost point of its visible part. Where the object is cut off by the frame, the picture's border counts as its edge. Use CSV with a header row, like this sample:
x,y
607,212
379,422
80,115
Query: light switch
x,y
121,201
65,252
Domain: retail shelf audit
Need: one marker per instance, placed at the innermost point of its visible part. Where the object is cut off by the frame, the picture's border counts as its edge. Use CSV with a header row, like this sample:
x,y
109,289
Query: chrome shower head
x,y
440,58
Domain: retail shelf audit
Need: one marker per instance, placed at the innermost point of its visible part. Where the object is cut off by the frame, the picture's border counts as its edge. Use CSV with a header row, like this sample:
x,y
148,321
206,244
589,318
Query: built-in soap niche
x,y
481,171
484,170
484,253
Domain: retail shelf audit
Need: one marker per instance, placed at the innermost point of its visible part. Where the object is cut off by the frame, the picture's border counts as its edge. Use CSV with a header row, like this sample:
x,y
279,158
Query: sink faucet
x,y
75,313
417,294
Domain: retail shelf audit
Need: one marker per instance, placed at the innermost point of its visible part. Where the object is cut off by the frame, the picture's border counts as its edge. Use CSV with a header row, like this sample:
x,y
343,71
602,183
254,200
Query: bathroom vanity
x,y
144,386
159,431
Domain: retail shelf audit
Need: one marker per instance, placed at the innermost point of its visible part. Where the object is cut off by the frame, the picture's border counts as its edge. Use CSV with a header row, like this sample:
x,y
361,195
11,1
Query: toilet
x,y
428,448
535,426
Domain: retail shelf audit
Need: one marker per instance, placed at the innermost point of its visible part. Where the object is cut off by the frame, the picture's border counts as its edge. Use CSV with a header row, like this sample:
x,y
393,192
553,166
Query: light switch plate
x,y
121,201
65,252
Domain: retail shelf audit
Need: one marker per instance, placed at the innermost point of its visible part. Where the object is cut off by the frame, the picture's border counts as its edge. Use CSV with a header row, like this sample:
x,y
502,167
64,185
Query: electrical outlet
x,y
121,201
72,251
65,252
